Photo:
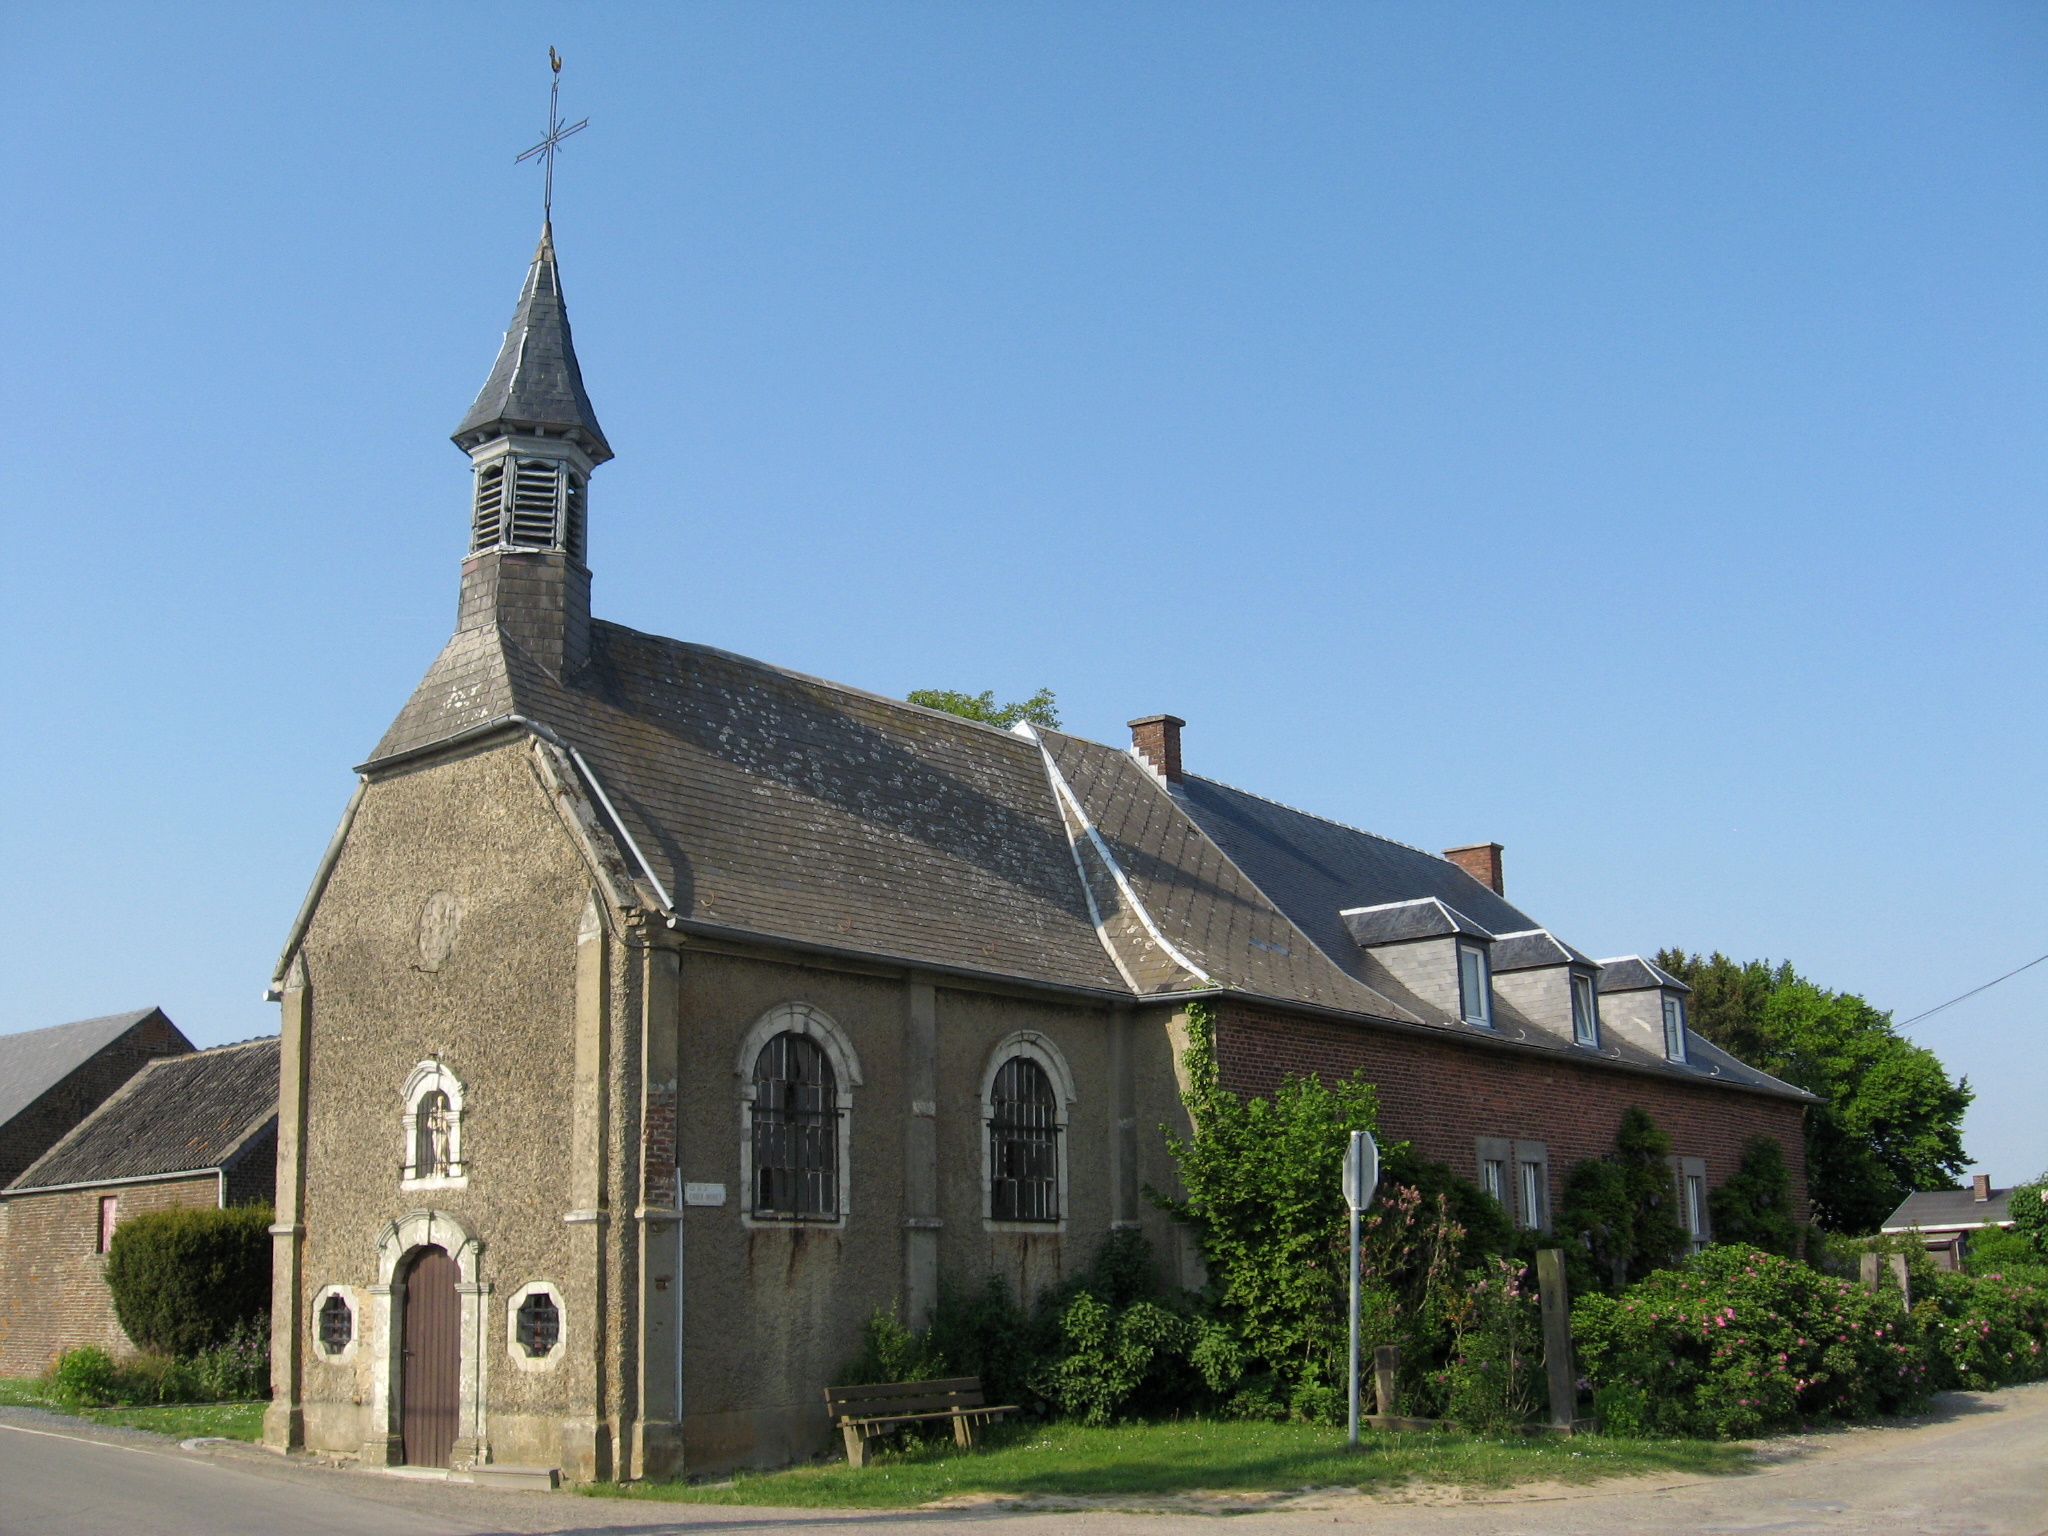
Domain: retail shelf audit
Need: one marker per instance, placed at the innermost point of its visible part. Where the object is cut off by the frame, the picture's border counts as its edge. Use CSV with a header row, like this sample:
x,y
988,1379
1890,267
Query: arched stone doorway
x,y
430,1381
431,1257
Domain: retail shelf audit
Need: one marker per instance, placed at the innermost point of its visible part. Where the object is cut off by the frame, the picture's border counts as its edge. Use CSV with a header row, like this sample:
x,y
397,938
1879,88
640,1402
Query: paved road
x,y
1978,1467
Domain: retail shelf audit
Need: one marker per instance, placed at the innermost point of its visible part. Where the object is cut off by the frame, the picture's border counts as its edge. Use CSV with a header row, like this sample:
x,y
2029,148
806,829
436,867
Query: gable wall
x,y
1444,1097
44,1122
500,1012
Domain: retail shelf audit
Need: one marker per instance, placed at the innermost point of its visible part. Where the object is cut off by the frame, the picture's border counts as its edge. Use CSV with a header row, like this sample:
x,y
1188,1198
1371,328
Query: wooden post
x,y
1386,1375
1867,1271
1557,1338
1905,1285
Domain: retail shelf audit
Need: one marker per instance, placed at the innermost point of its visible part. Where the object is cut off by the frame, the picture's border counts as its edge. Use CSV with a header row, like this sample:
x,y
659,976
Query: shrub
x,y
184,1280
1620,1213
1738,1341
1755,1205
1495,1377
84,1375
2029,1207
1982,1331
1998,1251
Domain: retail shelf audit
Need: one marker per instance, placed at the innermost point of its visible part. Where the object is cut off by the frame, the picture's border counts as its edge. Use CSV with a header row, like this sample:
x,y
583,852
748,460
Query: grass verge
x,y
233,1421
1234,1457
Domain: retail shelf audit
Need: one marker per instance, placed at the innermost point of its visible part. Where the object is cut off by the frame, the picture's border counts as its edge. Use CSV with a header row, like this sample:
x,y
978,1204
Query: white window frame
x,y
1531,1210
1691,1173
1674,1027
432,1076
1493,1178
817,1025
1586,1024
520,1359
1483,965
1041,1049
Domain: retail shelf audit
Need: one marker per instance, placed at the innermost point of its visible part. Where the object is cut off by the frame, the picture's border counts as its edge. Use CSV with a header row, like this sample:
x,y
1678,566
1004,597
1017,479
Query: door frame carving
x,y
400,1239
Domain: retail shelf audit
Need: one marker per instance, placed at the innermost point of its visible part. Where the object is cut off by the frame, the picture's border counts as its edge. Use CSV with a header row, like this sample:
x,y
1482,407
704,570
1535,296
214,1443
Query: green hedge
x,y
184,1281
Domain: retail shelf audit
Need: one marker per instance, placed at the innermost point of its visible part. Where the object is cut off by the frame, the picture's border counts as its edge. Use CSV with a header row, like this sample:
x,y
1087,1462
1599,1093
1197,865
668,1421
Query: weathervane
x,y
556,133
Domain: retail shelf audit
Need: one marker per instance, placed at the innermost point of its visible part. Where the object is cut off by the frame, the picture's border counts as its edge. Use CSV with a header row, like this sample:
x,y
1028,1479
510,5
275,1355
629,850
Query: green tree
x,y
1038,709
1755,1205
1892,1122
1622,1210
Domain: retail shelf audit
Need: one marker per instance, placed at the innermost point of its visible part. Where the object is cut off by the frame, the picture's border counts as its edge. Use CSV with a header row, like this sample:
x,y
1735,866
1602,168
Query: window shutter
x,y
536,488
490,506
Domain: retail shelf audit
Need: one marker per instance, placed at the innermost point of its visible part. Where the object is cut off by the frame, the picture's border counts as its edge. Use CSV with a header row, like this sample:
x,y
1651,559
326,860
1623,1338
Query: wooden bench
x,y
865,1412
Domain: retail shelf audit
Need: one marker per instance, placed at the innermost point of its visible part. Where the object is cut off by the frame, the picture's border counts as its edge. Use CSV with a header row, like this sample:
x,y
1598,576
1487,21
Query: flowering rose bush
x,y
1738,1341
1982,1331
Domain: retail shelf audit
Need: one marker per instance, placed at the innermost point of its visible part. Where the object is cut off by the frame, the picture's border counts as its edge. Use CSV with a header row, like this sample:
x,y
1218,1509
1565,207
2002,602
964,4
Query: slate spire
x,y
536,389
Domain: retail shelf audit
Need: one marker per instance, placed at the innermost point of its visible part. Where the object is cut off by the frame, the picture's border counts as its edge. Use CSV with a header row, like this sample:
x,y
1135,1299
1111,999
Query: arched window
x,y
795,1132
1023,1144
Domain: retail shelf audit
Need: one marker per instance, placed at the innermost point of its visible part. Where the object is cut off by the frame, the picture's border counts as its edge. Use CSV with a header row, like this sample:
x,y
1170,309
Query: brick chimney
x,y
1481,861
1980,1187
1156,740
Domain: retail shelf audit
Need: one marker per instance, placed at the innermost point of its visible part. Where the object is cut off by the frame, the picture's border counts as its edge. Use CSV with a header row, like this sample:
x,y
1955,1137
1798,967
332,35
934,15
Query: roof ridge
x,y
833,685
1330,821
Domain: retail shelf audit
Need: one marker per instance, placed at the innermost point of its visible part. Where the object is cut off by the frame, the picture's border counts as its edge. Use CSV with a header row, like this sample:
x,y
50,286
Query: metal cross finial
x,y
557,131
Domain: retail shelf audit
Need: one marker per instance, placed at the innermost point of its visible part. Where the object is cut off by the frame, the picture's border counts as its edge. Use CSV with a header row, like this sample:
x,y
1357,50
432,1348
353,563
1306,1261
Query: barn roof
x,y
179,1114
36,1060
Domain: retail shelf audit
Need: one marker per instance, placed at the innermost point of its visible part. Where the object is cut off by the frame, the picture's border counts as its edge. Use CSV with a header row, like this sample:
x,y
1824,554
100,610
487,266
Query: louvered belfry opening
x,y
795,1132
490,506
1024,1153
528,504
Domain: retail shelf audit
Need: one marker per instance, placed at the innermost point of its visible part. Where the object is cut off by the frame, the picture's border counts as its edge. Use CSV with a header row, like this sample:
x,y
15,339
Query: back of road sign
x,y
1361,1170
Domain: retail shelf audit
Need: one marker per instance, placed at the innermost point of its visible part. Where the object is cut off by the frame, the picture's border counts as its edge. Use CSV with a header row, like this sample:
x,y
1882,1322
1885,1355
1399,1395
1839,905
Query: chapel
x,y
657,1014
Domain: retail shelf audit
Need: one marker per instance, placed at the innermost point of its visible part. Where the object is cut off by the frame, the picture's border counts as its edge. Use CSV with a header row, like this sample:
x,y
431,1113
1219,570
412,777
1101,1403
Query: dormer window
x,y
1674,1029
1585,1011
1475,989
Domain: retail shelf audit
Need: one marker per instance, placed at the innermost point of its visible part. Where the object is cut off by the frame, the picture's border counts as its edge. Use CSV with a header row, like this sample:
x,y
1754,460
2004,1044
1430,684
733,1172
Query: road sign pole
x,y
1361,1178
1354,1325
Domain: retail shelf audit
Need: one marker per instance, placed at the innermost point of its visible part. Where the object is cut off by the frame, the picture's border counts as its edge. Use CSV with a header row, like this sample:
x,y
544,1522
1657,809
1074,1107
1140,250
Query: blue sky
x,y
1615,431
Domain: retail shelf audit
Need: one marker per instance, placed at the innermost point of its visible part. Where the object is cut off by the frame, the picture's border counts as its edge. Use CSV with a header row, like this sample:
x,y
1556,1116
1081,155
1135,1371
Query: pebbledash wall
x,y
56,1298
1446,1096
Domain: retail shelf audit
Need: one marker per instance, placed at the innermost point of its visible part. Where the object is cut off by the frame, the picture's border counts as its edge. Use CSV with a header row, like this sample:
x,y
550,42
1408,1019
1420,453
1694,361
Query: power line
x,y
2008,976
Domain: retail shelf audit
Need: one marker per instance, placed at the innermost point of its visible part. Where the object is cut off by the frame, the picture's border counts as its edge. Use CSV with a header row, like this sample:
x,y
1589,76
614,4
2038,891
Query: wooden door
x,y
432,1382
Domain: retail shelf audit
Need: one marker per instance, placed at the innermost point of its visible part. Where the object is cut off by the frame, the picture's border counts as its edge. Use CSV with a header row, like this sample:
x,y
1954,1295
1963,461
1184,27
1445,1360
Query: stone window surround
x,y
1513,1155
817,1025
428,1077
383,1333
347,1353
514,1351
1037,1047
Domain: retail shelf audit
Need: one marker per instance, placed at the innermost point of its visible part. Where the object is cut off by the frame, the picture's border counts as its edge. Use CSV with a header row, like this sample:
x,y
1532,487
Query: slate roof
x,y
179,1114
1396,922
1528,951
768,803
1632,973
536,384
1949,1210
35,1061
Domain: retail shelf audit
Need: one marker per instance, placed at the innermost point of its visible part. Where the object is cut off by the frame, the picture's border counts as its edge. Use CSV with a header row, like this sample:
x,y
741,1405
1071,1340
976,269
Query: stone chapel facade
x,y
656,1014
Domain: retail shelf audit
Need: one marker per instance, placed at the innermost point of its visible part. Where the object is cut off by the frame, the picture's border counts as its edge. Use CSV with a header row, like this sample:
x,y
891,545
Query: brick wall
x,y
54,1298
43,1122
1443,1096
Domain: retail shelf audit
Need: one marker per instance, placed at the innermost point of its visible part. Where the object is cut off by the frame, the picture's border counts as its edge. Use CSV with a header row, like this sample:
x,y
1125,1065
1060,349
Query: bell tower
x,y
533,441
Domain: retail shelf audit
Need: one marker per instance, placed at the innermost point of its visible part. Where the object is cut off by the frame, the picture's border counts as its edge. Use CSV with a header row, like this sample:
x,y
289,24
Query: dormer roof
x,y
1632,973
1533,949
1398,922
